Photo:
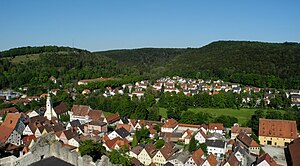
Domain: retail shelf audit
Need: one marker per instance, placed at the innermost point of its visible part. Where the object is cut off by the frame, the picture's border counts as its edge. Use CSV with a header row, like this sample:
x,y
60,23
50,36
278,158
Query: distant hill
x,y
36,50
250,63
145,59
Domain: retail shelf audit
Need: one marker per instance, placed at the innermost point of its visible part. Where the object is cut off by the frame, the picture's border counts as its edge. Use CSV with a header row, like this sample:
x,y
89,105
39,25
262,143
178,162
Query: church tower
x,y
49,109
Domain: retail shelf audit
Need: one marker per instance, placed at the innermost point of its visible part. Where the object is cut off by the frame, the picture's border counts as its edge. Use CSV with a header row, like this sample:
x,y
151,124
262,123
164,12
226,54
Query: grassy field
x,y
243,115
107,113
23,58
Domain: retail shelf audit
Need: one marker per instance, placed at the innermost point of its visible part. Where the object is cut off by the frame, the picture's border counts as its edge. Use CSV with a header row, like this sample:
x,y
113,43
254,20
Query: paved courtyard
x,y
277,153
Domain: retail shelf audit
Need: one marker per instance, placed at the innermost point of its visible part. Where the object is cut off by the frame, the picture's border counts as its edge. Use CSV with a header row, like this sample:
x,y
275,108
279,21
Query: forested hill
x,y
145,59
251,63
36,50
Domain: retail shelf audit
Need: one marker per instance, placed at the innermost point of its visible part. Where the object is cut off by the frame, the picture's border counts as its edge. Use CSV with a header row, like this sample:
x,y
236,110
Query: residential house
x,y
75,124
5,111
135,151
115,143
277,132
186,136
231,161
179,159
196,159
170,126
171,137
112,120
216,147
184,127
122,133
210,161
200,136
265,160
235,130
248,143
12,129
162,156
95,125
216,128
147,154
293,155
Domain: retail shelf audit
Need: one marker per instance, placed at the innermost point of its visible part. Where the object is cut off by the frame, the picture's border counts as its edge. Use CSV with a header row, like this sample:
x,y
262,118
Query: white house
x,y
216,147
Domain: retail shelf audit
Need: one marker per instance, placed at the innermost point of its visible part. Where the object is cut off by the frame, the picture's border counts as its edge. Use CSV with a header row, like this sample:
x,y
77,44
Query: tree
x,y
64,118
91,148
203,147
119,157
134,141
254,121
193,144
159,143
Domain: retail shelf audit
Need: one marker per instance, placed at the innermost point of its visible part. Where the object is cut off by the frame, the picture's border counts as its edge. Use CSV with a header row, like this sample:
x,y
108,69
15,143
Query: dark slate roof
x,y
215,143
60,108
50,161
125,120
123,132
168,164
76,123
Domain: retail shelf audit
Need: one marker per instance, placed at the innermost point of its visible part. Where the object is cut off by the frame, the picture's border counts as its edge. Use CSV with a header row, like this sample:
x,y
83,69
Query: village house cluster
x,y
191,87
22,130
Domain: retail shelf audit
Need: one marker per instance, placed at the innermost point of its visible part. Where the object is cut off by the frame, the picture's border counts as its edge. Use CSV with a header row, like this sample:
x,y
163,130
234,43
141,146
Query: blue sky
x,y
114,24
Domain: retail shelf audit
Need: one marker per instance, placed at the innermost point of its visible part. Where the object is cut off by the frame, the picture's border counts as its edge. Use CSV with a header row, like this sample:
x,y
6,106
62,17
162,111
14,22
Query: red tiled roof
x,y
95,114
150,149
167,150
215,126
113,118
125,126
171,123
278,128
189,125
236,129
248,141
80,110
212,160
266,157
197,156
294,150
60,108
8,110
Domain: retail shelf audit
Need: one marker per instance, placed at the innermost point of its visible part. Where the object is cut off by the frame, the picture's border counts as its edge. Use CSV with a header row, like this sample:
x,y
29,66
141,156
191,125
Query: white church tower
x,y
49,109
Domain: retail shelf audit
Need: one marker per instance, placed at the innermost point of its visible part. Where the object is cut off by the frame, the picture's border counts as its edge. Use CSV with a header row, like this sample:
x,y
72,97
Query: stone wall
x,y
46,146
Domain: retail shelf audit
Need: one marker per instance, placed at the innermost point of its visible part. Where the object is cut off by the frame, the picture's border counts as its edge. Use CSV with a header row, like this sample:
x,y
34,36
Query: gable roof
x,y
80,110
60,108
248,141
97,123
125,126
11,120
278,128
233,161
122,132
95,114
116,141
266,157
8,110
150,149
113,118
201,132
137,149
168,150
216,126
125,120
197,156
76,123
171,123
211,159
236,129
70,134
294,151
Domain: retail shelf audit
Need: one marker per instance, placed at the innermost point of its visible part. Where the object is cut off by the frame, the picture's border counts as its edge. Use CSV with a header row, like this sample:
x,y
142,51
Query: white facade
x,y
144,157
216,150
27,131
14,138
49,109
200,138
